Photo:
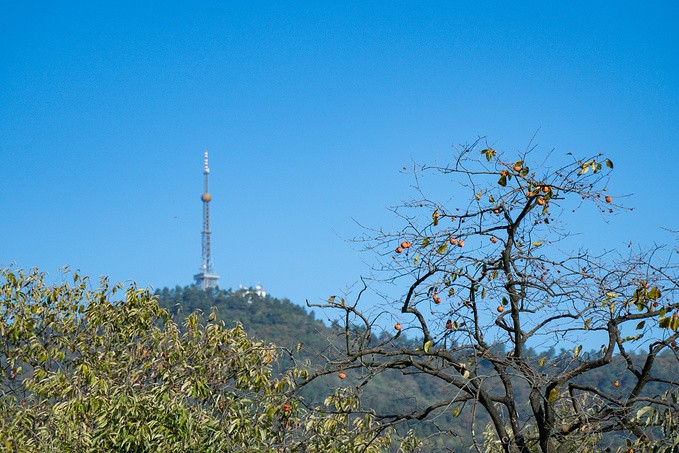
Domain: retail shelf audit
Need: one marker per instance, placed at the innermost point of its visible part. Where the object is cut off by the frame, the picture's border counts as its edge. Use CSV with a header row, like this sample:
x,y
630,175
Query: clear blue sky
x,y
308,111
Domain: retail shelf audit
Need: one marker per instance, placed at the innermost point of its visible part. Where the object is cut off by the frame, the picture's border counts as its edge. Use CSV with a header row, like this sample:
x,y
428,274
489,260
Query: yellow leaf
x,y
576,351
552,396
674,325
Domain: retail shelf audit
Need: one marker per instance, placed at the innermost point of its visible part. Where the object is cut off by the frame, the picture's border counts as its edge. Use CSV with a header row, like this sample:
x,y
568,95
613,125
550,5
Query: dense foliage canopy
x,y
106,369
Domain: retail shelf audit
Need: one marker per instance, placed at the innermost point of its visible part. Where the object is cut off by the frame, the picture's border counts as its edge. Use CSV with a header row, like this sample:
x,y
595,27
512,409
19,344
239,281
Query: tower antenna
x,y
206,278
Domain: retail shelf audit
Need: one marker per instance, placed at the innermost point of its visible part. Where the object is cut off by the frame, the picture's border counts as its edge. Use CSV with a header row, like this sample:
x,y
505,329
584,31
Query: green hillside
x,y
278,321
287,325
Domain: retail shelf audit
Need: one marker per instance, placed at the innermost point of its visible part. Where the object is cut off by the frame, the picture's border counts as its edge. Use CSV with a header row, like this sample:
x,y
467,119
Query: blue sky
x,y
309,111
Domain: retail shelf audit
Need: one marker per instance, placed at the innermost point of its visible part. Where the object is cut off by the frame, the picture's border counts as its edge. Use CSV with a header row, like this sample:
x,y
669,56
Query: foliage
x,y
84,372
279,321
485,279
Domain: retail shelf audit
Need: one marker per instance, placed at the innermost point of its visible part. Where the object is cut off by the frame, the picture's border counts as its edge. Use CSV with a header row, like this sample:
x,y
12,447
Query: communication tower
x,y
207,277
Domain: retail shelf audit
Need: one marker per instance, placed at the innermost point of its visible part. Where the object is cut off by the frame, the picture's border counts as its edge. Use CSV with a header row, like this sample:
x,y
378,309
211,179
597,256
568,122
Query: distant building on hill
x,y
258,290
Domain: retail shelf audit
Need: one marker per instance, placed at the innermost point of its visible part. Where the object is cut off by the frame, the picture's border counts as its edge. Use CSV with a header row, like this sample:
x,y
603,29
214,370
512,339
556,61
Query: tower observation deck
x,y
206,278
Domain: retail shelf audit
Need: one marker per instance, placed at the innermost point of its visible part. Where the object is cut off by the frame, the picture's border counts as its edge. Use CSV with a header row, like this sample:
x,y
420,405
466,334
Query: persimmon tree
x,y
493,272
105,369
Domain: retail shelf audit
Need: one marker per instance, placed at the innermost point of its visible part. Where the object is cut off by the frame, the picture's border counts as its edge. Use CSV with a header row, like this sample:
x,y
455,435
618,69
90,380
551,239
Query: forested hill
x,y
278,321
287,325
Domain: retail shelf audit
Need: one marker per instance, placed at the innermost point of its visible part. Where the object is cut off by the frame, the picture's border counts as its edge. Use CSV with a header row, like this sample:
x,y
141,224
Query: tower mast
x,y
206,278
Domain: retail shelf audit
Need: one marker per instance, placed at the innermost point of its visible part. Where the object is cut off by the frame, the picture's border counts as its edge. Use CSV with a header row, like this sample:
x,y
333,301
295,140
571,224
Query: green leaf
x,y
654,293
643,410
442,248
427,345
504,301
425,242
552,396
489,152
502,181
576,351
664,322
640,325
456,412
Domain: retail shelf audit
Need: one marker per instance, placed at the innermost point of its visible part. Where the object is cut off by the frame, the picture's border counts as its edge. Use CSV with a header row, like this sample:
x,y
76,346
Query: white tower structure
x,y
206,278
